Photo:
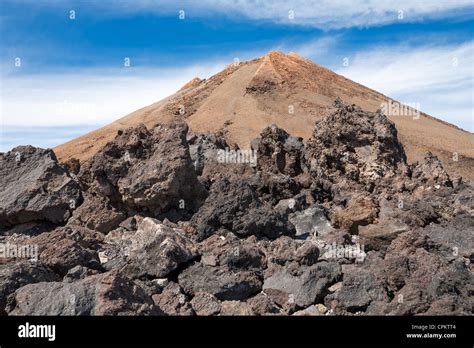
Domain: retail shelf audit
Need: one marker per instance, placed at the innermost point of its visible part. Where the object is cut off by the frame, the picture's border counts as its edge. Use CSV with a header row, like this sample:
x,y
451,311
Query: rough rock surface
x,y
104,294
156,250
172,301
35,187
137,172
279,152
311,222
204,149
98,213
15,275
220,281
430,172
67,247
358,146
205,304
302,286
360,211
341,225
236,207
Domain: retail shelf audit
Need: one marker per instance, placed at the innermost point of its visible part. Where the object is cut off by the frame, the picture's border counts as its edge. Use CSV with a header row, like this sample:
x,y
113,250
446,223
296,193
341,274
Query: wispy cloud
x,y
439,78
334,14
318,49
88,97
323,14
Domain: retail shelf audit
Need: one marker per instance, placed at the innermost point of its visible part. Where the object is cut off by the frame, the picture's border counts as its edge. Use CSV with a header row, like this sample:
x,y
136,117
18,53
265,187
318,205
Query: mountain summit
x,y
291,92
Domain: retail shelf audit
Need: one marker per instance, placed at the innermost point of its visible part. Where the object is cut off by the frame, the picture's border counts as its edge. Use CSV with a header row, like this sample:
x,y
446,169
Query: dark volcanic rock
x,y
73,165
285,250
236,207
220,281
204,149
303,286
456,236
237,308
15,275
361,285
68,246
78,272
430,172
311,222
35,187
360,211
279,152
237,254
98,213
103,294
432,285
172,301
379,236
355,146
416,276
409,210
262,304
205,304
146,170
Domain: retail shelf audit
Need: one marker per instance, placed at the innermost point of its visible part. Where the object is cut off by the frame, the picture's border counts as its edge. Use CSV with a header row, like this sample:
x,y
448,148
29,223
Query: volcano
x,y
162,220
286,90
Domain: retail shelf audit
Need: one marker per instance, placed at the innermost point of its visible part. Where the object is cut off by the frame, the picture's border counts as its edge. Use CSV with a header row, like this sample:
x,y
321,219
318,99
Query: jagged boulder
x,y
430,172
98,213
279,152
103,294
35,187
204,149
236,207
302,286
172,301
220,281
285,250
360,211
415,275
431,285
205,304
156,250
311,222
354,146
362,284
235,253
14,275
343,221
143,170
67,247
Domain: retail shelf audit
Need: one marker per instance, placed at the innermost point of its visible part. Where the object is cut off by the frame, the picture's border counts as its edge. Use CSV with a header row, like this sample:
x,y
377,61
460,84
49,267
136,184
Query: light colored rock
x,y
311,222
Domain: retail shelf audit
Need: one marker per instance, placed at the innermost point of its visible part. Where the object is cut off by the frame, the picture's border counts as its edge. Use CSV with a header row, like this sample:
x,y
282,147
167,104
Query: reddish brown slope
x,y
290,91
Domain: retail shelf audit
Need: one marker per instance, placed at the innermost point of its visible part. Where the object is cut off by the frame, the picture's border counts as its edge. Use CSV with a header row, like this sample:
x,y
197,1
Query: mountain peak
x,y
279,55
278,88
275,53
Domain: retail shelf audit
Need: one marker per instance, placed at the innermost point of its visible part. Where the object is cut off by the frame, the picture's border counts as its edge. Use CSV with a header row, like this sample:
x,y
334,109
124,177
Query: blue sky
x,y
72,77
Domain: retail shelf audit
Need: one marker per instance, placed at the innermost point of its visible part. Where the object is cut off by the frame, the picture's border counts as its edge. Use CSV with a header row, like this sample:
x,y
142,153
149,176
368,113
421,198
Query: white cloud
x,y
323,14
313,49
329,14
89,96
439,78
